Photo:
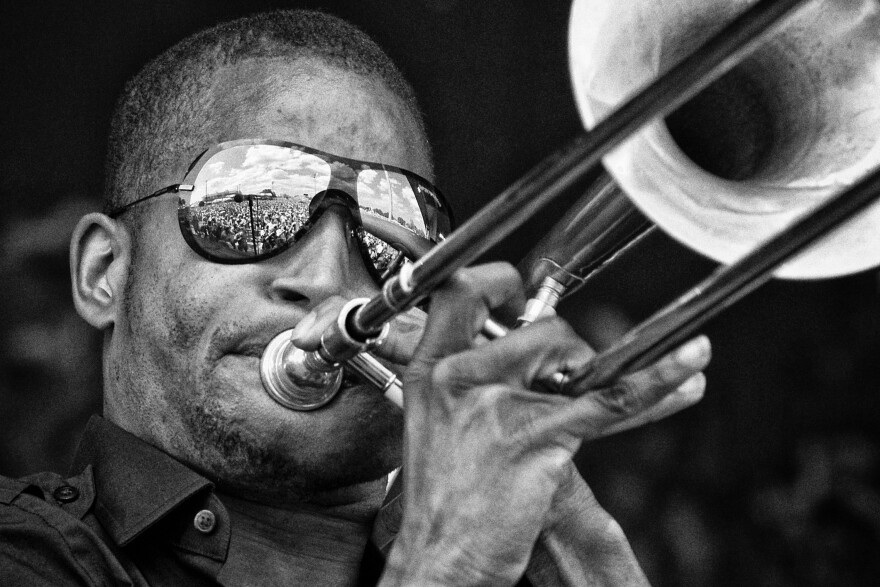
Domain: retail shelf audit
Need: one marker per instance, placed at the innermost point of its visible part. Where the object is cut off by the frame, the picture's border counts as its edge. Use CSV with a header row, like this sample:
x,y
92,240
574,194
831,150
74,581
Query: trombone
x,y
615,109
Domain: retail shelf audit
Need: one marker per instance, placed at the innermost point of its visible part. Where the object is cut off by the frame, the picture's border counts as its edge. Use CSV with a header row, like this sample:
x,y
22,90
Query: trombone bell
x,y
788,127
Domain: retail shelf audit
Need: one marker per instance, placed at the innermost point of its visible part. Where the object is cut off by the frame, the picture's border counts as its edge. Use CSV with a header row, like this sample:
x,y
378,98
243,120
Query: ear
x,y
99,257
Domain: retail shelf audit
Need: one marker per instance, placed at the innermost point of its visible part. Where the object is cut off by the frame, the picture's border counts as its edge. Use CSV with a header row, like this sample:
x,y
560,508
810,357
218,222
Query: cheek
x,y
168,365
187,313
170,311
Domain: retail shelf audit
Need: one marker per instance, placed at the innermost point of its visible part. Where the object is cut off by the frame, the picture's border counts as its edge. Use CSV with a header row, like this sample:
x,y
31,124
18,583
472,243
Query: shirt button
x,y
205,521
66,494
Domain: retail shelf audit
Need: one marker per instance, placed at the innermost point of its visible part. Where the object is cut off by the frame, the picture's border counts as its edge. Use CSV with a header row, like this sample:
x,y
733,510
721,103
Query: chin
x,y
281,454
365,438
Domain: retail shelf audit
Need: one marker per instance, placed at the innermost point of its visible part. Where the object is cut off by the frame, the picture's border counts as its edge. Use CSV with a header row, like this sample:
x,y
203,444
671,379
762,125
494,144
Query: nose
x,y
325,262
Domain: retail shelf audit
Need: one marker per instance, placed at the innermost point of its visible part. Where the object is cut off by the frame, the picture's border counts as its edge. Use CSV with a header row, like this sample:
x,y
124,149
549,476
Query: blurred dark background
x,y
772,480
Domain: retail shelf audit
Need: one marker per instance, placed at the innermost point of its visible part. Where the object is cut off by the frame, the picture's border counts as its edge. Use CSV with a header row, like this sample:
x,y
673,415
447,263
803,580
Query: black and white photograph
x,y
435,292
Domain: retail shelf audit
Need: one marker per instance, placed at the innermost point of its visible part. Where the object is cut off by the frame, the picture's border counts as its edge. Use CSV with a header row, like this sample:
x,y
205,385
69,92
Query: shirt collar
x,y
136,484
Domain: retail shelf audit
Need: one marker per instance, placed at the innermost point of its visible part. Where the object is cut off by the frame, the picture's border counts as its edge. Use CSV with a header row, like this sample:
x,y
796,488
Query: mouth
x,y
289,377
271,353
248,336
257,350
254,350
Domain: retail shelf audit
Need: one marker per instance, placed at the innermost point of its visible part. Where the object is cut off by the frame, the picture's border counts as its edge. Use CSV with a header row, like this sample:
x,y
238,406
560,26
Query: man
x,y
195,475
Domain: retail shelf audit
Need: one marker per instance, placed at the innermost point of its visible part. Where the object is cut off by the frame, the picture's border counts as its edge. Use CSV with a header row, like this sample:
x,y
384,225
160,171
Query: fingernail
x,y
303,327
694,354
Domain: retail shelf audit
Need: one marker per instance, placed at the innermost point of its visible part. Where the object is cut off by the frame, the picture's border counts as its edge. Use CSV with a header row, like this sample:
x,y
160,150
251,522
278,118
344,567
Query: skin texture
x,y
183,338
487,464
181,365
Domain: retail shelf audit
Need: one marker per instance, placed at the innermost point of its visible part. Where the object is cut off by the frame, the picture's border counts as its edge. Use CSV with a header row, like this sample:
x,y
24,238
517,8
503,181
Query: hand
x,y
580,543
397,349
487,460
484,455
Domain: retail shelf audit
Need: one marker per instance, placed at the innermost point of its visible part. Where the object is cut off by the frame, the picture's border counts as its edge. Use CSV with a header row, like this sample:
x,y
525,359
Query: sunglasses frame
x,y
354,165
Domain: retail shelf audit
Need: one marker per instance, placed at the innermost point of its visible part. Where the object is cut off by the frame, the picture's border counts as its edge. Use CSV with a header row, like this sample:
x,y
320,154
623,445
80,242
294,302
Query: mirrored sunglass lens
x,y
385,257
392,216
250,200
388,198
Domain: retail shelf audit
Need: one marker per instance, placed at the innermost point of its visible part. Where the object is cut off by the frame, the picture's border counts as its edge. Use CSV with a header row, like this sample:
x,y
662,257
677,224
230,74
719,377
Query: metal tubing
x,y
555,174
678,321
550,178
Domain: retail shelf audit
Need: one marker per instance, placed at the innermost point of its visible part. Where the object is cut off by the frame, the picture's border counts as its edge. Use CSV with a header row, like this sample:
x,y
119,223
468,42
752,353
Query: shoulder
x,y
44,535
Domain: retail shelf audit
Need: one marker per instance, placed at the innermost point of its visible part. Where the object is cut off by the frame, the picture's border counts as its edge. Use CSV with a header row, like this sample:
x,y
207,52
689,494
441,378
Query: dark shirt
x,y
132,515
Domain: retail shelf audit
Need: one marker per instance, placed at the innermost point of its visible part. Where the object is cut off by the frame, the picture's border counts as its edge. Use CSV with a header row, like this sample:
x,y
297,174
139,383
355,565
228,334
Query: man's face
x,y
183,360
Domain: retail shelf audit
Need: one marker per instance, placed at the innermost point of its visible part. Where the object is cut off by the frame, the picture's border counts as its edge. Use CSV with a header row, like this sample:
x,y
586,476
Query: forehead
x,y
309,102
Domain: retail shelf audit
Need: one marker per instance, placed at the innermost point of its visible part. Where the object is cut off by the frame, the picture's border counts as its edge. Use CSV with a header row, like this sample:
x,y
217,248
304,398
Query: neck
x,y
312,543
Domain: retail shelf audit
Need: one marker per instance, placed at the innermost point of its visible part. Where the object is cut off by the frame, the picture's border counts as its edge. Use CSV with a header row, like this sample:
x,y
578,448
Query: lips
x,y
248,345
253,345
254,349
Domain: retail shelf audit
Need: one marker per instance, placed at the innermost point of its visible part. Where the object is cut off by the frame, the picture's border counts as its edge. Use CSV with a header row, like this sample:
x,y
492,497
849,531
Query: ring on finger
x,y
560,380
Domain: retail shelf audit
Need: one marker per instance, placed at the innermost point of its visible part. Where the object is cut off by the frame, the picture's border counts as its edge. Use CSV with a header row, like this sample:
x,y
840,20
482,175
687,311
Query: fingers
x,y
307,332
684,396
403,337
519,359
632,393
639,397
660,390
398,347
459,307
448,356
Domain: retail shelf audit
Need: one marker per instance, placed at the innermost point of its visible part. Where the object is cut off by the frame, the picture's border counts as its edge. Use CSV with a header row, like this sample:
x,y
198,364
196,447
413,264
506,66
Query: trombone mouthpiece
x,y
298,379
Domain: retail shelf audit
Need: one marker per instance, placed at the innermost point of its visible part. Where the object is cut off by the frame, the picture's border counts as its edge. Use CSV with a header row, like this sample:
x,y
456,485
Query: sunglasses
x,y
247,200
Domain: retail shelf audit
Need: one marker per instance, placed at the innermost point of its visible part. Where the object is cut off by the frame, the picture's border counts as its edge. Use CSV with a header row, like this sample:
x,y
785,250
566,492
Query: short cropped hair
x,y
157,118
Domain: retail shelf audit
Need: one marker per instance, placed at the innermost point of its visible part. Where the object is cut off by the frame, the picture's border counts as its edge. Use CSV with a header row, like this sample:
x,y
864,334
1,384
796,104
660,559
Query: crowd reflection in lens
x,y
253,224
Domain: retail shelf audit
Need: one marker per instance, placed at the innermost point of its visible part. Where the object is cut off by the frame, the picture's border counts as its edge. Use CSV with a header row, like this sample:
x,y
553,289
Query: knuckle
x,y
491,281
660,377
448,377
441,374
561,343
508,273
464,286
622,398
612,533
537,430
562,330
